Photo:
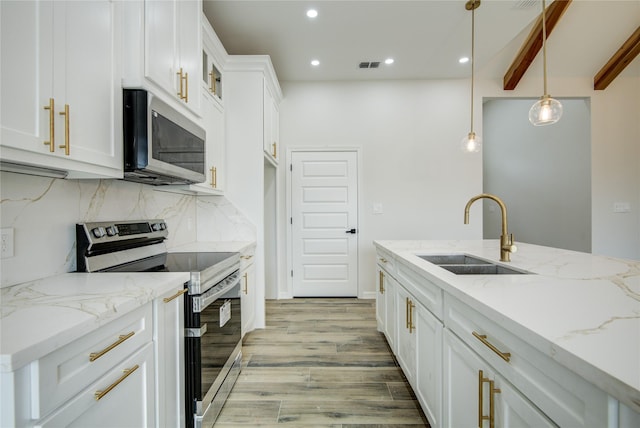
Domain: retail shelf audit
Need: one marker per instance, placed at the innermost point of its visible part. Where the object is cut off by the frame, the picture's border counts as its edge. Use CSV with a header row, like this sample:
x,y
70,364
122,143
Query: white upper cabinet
x,y
163,50
61,97
271,126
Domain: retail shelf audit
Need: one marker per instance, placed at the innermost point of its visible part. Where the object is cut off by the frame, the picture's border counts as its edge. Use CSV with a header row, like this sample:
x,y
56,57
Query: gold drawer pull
x,y
383,260
66,145
175,296
99,394
95,355
51,142
246,257
483,338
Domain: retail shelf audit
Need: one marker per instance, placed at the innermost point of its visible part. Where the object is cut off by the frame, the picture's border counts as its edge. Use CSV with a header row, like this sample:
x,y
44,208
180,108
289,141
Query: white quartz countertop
x,y
41,316
38,317
579,309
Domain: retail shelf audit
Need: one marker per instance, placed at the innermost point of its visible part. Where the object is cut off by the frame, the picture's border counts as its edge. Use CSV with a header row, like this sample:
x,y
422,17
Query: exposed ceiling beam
x,y
623,57
533,44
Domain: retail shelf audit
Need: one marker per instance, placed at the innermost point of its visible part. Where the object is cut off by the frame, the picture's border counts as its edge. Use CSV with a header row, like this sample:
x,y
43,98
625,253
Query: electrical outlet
x,y
7,242
621,207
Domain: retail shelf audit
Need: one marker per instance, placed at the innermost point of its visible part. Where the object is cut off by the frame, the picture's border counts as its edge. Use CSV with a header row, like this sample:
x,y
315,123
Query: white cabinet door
x,y
271,127
406,345
391,325
470,386
381,301
429,368
61,94
173,48
127,398
169,335
248,298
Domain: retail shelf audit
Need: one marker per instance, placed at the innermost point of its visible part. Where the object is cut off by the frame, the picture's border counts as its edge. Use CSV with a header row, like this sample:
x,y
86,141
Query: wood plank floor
x,y
320,363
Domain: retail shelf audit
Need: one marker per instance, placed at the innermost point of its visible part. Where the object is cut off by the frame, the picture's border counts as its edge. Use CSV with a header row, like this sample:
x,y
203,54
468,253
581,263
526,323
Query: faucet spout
x,y
506,240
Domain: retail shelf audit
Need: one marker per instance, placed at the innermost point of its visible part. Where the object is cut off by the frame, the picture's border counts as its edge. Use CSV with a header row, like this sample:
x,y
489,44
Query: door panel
x,y
324,209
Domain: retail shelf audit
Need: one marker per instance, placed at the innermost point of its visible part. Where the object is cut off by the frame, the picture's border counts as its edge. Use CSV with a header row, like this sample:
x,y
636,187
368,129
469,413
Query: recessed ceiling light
x,y
315,62
464,60
312,13
388,61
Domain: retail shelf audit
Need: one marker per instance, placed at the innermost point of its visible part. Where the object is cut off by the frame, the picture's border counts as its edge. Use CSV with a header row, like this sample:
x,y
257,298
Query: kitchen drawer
x,y
385,261
563,396
425,291
67,371
122,397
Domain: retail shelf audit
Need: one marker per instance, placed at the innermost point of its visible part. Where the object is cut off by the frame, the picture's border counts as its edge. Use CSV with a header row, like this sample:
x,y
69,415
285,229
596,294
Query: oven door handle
x,y
201,302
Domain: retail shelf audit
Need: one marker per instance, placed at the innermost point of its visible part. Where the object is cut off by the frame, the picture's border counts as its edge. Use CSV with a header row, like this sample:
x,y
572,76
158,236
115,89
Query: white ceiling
x,y
425,37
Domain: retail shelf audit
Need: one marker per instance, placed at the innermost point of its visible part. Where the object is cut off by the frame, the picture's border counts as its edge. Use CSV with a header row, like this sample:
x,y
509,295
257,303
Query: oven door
x,y
212,345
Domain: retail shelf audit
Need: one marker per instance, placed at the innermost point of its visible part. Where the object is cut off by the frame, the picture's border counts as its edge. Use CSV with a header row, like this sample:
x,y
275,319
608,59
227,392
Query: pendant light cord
x,y
544,47
473,58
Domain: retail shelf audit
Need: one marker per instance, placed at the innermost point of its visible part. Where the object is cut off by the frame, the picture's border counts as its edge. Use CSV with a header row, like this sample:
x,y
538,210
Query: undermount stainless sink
x,y
453,259
462,264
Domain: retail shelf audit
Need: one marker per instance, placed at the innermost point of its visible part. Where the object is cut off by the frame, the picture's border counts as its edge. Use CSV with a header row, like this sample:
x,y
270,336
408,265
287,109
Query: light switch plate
x,y
7,242
621,207
377,208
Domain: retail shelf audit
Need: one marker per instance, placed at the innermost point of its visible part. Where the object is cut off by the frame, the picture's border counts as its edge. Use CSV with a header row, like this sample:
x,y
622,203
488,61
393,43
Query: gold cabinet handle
x,y
246,257
383,260
99,394
273,149
184,85
212,85
492,408
381,282
406,313
246,283
214,177
481,382
66,145
411,326
51,143
95,355
483,338
175,296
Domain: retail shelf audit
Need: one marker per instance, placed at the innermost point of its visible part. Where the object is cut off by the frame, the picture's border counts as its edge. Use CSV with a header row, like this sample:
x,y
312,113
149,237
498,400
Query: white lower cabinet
x,y
124,397
406,339
169,347
469,371
474,396
248,290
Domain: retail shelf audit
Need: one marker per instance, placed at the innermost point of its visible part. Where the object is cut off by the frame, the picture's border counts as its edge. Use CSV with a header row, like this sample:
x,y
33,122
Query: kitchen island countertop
x,y
580,309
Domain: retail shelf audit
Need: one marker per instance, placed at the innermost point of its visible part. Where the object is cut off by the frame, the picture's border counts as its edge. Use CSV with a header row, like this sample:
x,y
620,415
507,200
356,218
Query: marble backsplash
x,y
43,213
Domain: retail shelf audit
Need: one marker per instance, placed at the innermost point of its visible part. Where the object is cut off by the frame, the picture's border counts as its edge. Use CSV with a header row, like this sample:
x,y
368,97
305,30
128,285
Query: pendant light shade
x,y
547,110
472,142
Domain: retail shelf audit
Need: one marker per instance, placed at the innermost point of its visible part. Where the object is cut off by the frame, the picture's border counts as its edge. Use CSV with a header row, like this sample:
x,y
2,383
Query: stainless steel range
x,y
213,346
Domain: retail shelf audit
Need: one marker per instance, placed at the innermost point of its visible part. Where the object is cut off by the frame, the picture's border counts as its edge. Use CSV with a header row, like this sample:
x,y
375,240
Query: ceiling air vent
x,y
369,64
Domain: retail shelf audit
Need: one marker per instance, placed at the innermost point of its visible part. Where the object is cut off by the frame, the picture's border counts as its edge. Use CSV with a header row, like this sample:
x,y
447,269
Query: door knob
x,y
351,231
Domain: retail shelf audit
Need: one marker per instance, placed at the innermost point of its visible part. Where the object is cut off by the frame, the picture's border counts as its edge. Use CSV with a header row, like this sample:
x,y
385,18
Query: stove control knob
x,y
112,230
163,226
98,232
156,227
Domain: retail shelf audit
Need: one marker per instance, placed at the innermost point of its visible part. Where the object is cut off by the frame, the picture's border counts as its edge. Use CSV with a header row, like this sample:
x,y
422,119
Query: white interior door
x,y
324,214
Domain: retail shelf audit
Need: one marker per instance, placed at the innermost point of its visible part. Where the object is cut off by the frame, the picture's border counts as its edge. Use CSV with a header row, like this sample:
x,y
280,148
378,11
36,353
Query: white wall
x,y
409,133
542,173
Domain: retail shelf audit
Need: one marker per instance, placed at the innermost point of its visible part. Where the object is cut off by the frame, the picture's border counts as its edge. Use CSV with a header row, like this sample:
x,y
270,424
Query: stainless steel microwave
x,y
161,146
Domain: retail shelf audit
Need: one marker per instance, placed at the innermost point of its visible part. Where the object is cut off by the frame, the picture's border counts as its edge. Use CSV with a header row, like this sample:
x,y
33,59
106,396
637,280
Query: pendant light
x,y
547,110
472,142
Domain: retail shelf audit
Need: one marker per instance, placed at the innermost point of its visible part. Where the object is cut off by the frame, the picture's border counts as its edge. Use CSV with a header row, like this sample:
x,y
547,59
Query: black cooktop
x,y
174,262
